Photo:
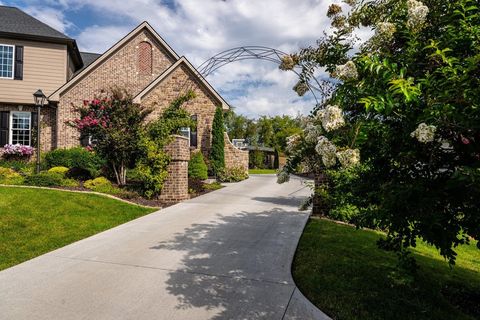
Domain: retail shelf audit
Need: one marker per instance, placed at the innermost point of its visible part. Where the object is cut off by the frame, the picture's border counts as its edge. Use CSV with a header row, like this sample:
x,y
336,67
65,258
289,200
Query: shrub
x,y
75,158
79,174
10,176
49,179
60,170
197,168
235,174
103,185
18,165
212,186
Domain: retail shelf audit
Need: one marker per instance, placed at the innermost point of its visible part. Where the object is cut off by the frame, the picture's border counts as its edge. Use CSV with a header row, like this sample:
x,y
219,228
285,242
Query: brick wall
x,y
120,69
176,185
177,83
234,157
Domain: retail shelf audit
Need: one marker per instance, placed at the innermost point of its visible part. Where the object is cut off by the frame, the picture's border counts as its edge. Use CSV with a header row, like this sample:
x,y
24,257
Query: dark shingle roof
x,y
88,58
15,21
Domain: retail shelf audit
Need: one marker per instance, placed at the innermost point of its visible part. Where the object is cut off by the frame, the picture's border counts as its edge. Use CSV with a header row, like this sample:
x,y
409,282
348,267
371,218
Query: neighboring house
x,y
35,56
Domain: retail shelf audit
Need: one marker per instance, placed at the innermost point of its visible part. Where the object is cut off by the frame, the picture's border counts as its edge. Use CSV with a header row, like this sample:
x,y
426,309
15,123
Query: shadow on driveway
x,y
238,265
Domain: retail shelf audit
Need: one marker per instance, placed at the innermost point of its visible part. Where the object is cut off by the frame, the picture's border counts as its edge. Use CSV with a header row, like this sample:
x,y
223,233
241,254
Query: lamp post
x,y
39,99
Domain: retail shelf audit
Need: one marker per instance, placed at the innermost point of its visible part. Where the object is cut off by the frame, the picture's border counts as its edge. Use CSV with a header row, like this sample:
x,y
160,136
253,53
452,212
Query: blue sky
x,y
199,29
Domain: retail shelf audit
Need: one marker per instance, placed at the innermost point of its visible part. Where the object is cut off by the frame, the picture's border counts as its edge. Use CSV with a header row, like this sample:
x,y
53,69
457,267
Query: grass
x,y
262,171
36,221
341,270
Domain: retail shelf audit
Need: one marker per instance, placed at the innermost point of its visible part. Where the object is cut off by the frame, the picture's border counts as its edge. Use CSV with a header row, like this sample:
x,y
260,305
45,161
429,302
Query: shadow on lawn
x,y
237,266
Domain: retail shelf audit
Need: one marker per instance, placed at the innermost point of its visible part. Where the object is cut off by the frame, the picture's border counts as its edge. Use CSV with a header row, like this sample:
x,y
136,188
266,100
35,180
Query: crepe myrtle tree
x,y
403,121
115,124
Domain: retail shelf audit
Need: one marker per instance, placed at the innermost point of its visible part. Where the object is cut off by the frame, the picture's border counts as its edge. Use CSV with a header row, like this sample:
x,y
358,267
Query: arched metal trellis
x,y
260,53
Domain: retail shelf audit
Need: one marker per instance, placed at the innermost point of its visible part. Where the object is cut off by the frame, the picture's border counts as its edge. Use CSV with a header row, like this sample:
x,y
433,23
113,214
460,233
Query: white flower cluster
x,y
327,150
283,177
331,118
287,63
312,132
384,31
346,72
417,15
348,157
424,133
292,142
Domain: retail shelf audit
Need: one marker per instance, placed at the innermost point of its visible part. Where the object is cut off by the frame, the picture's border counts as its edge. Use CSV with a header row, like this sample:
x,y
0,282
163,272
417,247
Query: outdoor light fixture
x,y
39,98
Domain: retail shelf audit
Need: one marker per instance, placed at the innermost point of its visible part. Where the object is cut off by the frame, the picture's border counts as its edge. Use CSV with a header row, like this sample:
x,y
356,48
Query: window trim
x,y
13,61
10,125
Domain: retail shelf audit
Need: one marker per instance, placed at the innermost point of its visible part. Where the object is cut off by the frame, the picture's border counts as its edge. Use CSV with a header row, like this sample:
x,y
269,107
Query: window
x,y
20,127
184,131
6,61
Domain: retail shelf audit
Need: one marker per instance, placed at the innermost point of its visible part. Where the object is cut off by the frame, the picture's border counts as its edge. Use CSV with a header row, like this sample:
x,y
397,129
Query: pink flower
x,y
464,140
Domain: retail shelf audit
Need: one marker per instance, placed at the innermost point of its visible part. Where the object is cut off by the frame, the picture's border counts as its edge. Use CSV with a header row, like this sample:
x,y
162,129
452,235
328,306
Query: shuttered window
x,y
6,61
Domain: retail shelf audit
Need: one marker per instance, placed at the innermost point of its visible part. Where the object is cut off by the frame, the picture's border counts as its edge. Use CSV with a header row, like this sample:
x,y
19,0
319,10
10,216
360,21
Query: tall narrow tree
x,y
217,153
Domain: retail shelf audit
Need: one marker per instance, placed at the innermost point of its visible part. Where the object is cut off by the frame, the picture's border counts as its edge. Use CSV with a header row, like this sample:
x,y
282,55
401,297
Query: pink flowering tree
x,y
113,124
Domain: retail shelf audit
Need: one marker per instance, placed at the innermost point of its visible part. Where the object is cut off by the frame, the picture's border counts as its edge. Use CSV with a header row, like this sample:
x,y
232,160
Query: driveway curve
x,y
224,255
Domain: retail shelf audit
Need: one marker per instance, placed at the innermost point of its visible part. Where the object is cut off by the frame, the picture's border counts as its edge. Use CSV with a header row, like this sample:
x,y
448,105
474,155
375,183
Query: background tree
x,y
217,153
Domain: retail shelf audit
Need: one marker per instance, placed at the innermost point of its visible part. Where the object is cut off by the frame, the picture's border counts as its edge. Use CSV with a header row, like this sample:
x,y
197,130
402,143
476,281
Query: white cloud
x,y
53,17
200,29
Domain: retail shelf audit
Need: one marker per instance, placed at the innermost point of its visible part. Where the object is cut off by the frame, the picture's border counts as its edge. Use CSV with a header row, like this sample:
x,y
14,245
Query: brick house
x,y
35,56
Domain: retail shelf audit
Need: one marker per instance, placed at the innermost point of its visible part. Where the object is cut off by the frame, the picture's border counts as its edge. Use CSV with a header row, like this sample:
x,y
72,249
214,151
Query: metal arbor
x,y
260,53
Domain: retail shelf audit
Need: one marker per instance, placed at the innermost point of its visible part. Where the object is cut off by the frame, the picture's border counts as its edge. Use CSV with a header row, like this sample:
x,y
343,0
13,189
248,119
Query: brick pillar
x,y
175,187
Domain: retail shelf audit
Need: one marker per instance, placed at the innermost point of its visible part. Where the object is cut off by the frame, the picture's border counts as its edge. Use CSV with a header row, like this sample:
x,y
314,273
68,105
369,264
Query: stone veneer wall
x,y
176,185
234,157
47,122
121,69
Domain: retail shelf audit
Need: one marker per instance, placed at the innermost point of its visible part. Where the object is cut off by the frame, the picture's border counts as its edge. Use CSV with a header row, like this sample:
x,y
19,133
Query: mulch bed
x,y
195,187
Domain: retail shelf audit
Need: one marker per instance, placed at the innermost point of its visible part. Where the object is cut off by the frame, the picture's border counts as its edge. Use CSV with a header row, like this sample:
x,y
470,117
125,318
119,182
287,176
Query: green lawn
x,y
262,171
35,221
343,272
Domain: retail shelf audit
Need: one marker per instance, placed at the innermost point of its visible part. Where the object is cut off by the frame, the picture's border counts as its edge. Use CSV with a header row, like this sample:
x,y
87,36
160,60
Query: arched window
x,y
145,58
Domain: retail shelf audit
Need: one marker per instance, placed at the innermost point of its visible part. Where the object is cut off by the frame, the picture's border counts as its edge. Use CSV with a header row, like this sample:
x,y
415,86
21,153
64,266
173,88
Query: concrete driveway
x,y
225,255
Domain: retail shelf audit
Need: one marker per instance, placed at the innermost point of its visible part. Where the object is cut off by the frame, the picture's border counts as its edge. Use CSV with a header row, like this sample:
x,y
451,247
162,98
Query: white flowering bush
x,y
348,157
331,118
417,15
424,133
327,150
402,127
312,132
346,72
385,31
292,142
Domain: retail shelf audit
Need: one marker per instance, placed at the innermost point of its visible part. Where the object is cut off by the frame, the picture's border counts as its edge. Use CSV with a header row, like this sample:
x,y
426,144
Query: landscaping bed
x,y
36,221
343,272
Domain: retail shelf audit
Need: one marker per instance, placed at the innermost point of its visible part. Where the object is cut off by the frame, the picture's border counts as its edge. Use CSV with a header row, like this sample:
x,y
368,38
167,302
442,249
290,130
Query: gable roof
x,y
144,25
138,98
14,23
88,58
